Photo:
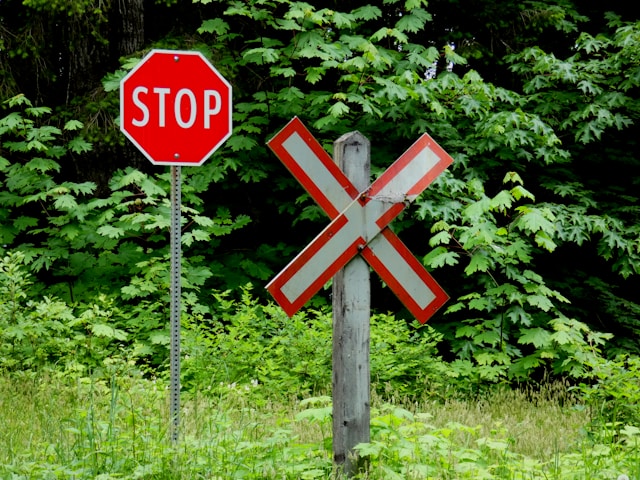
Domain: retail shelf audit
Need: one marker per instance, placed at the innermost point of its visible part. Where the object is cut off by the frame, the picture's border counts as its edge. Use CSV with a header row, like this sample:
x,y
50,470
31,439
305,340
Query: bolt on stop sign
x,y
175,107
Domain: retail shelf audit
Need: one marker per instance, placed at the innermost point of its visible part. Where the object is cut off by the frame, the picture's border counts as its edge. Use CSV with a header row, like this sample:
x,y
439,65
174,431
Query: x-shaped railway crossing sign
x,y
358,222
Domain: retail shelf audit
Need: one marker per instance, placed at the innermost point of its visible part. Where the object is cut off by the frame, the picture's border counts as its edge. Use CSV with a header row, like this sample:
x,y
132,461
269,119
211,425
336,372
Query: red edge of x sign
x,y
343,238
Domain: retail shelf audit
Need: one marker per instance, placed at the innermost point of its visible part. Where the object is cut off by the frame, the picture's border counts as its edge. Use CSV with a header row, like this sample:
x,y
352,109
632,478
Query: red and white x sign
x,y
358,222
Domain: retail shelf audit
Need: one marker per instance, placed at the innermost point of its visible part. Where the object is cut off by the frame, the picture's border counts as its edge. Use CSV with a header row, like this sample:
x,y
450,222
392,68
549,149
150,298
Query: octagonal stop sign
x,y
175,107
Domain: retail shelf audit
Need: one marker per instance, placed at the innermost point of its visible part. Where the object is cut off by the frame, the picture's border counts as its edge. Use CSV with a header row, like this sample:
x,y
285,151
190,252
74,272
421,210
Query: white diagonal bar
x,y
311,166
405,179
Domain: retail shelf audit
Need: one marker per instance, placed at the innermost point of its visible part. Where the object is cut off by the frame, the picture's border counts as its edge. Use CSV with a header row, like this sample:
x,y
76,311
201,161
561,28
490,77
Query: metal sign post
x,y
175,292
177,109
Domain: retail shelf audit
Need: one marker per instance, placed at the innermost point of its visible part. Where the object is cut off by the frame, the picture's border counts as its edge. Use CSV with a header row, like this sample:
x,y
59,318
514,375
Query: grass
x,y
538,423
56,428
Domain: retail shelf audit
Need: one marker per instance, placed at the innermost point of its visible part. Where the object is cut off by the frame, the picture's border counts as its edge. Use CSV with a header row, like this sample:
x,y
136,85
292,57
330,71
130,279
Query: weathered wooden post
x,y
351,314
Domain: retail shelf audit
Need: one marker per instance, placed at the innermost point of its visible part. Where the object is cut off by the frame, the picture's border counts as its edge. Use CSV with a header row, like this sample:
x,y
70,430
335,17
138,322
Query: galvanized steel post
x,y
175,293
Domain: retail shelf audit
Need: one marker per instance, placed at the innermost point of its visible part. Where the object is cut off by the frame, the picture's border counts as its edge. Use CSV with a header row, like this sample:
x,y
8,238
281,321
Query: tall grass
x,y
539,423
118,428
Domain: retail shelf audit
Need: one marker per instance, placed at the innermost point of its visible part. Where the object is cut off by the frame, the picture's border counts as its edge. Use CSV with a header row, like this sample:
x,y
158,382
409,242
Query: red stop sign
x,y
175,107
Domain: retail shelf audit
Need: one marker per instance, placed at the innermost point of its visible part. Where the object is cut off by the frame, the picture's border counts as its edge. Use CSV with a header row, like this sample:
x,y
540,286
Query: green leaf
x,y
540,301
286,72
522,366
519,315
479,262
534,219
481,303
39,112
198,275
239,143
414,21
110,231
80,145
439,238
196,235
111,81
107,331
314,74
342,20
380,34
368,12
65,202
315,415
456,307
502,201
421,56
538,337
216,26
338,109
589,132
73,125
476,210
152,188
440,257
261,55
468,331
18,100
160,338
544,240
512,177
23,223
131,176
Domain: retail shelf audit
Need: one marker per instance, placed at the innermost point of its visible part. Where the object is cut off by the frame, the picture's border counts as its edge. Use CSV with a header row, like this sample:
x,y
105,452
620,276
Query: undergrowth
x,y
118,428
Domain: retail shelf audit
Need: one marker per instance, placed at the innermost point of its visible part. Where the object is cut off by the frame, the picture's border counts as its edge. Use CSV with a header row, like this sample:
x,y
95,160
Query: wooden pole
x,y
351,315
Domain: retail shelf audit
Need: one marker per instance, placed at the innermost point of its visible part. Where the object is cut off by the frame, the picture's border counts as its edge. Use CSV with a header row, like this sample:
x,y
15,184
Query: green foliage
x,y
404,358
598,97
586,97
369,68
612,397
513,325
108,255
246,343
405,445
69,7
87,243
341,71
41,334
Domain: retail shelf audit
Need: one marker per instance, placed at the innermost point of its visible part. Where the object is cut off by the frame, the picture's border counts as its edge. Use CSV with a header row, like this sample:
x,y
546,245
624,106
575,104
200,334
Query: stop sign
x,y
175,107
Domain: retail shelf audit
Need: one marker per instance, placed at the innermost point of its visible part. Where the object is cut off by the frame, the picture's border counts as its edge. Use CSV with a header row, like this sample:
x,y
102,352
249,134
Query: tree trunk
x,y
130,27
